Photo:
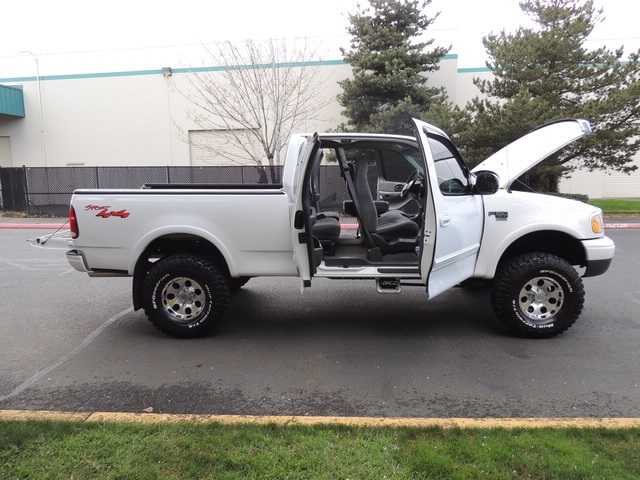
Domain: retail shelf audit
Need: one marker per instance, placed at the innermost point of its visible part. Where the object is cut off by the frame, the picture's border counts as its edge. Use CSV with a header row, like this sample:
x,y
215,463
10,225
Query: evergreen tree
x,y
546,73
389,60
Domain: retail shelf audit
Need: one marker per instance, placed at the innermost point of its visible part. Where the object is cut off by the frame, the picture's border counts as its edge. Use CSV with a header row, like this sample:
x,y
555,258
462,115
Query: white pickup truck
x,y
419,217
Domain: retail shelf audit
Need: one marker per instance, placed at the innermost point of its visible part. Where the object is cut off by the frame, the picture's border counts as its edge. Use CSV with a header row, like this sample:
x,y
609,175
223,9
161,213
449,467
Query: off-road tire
x,y
185,295
537,295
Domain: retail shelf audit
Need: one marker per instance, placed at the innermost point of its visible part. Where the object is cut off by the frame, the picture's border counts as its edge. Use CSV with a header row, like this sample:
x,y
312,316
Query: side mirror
x,y
486,183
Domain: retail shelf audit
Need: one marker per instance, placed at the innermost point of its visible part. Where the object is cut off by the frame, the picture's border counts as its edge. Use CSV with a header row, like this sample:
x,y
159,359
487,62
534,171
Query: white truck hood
x,y
529,150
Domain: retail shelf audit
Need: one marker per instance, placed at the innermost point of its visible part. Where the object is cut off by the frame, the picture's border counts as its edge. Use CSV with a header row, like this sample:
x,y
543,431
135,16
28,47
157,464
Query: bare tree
x,y
254,96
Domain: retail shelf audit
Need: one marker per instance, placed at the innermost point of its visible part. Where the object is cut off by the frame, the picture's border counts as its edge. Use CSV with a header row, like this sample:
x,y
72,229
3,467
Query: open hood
x,y
529,150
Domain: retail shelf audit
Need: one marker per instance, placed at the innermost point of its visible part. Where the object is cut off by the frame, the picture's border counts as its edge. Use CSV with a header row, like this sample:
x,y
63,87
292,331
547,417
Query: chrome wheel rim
x,y
183,299
541,300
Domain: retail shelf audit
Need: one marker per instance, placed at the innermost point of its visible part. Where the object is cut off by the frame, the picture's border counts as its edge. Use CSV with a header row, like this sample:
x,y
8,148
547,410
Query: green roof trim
x,y
475,70
11,101
137,73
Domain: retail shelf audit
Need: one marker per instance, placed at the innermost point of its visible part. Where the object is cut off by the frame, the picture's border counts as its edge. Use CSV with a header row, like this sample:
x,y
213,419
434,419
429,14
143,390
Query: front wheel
x,y
185,295
538,295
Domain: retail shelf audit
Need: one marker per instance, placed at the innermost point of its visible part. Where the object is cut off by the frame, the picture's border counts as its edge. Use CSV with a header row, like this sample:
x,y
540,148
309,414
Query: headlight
x,y
597,225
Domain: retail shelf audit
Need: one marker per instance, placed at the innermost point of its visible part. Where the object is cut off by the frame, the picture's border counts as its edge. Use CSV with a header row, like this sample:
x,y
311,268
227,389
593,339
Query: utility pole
x,y
42,141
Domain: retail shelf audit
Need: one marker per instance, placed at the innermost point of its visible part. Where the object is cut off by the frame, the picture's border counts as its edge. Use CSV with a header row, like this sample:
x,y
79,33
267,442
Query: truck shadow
x,y
255,310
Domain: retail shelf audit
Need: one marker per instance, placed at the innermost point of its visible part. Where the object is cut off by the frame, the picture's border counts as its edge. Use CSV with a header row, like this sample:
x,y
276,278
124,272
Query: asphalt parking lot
x,y
72,343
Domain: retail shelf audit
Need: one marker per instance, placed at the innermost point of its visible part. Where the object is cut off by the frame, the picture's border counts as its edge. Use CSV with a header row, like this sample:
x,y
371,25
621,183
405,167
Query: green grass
x,y
613,206
65,449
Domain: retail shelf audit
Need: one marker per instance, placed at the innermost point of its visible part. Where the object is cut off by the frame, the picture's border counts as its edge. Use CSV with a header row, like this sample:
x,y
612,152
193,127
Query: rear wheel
x,y
185,295
538,295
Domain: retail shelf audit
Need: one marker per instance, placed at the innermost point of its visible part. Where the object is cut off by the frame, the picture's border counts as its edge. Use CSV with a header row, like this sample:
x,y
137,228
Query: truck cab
x,y
425,228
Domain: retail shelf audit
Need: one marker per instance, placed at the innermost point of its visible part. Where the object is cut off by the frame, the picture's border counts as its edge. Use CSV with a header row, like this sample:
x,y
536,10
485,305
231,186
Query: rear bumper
x,y
77,261
599,253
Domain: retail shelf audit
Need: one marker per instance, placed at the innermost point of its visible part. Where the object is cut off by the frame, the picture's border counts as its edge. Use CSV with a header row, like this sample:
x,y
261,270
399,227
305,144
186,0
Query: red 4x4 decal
x,y
105,212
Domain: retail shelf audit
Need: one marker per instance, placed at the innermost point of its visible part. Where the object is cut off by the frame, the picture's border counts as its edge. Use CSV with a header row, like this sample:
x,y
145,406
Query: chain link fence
x,y
47,191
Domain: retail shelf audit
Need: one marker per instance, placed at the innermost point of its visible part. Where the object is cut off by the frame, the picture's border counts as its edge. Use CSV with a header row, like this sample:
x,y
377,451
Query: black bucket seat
x,y
391,231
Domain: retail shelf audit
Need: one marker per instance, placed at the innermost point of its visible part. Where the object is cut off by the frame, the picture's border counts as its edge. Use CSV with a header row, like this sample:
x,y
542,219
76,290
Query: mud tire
x,y
185,295
537,295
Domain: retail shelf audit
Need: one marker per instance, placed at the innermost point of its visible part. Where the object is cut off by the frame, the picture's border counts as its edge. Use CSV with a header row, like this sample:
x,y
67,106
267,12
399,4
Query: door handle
x,y
445,220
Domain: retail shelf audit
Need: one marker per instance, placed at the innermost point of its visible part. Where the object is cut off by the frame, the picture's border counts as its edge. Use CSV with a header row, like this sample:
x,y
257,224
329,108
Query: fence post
x,y
26,189
168,174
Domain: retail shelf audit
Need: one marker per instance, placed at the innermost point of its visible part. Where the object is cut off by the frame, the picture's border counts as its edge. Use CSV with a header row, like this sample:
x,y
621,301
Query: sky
x,y
84,36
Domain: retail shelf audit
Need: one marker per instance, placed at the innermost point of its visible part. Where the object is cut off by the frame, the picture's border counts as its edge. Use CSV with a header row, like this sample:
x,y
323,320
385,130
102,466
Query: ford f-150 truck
x,y
419,217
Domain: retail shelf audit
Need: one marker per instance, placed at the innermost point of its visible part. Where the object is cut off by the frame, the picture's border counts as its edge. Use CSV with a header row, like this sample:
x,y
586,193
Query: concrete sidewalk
x,y
621,221
32,223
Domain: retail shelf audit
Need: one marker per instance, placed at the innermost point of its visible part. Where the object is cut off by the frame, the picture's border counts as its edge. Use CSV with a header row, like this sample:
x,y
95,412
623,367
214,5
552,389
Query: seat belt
x,y
375,253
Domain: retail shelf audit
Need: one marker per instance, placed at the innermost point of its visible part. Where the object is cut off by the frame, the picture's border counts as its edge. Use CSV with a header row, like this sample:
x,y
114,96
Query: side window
x,y
394,167
452,177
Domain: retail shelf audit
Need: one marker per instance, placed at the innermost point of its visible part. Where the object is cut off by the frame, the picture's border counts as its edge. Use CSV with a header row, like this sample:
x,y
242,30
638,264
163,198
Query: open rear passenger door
x,y
306,254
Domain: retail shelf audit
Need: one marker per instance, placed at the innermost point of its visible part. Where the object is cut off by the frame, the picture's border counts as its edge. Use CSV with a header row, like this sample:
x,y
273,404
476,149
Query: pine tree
x,y
546,73
389,61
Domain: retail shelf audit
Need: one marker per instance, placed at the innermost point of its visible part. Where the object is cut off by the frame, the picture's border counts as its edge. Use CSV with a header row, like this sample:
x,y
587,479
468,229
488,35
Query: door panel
x,y
301,214
459,223
456,231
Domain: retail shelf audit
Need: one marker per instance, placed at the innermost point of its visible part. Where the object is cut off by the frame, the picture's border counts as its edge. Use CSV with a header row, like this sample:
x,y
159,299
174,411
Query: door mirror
x,y
486,183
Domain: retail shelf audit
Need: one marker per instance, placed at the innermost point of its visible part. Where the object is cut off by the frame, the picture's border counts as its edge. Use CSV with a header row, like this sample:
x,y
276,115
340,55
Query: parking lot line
x,y
85,343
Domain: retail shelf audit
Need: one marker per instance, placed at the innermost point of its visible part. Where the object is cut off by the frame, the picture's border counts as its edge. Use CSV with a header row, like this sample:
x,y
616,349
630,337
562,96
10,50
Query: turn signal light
x,y
597,225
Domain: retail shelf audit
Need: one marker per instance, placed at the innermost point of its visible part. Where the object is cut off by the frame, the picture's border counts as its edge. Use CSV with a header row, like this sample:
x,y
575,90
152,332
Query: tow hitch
x,y
58,240
388,285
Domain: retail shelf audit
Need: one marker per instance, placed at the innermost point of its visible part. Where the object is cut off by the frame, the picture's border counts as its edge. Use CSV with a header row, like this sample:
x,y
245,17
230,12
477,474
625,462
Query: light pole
x,y
44,150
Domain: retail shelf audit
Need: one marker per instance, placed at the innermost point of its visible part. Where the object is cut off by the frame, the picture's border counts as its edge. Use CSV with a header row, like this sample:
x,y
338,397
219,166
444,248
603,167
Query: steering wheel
x,y
408,185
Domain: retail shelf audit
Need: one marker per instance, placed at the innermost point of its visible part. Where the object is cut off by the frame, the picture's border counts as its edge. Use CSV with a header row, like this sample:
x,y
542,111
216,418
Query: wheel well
x,y
557,243
169,245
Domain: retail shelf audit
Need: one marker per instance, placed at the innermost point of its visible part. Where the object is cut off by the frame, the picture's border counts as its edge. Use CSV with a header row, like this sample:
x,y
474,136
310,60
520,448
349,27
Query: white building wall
x,y
604,185
129,118
584,183
465,88
621,185
108,121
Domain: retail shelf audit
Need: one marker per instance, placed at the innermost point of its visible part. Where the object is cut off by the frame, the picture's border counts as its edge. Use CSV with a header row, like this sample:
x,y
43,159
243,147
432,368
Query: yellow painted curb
x,y
43,415
309,421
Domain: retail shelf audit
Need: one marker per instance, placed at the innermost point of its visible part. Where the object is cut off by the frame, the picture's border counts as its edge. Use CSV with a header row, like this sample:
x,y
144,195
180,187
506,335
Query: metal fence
x,y
47,190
